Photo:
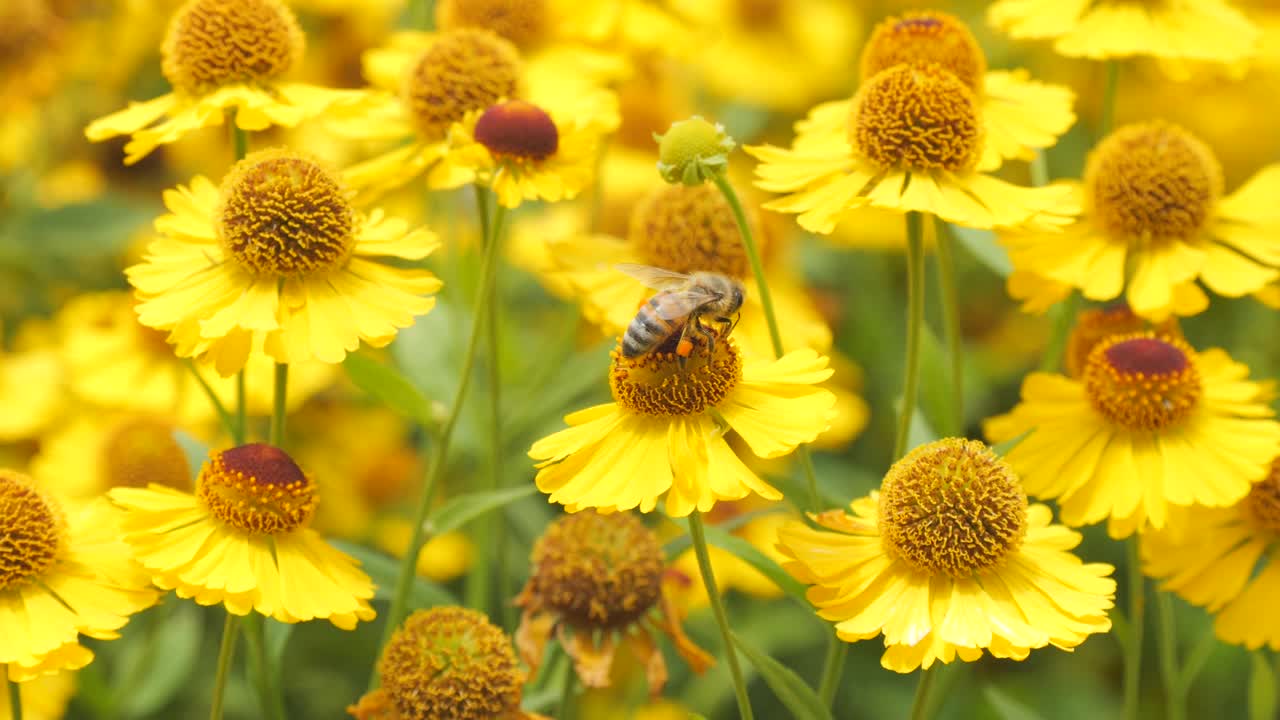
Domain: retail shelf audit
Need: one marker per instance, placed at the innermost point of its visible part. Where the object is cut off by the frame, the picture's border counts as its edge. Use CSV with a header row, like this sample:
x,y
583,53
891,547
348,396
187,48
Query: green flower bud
x,y
693,151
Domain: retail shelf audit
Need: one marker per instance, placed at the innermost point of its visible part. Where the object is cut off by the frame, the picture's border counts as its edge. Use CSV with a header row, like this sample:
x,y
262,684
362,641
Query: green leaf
x,y
195,450
798,697
680,543
464,508
384,570
1262,688
1002,449
164,668
1005,707
748,553
983,246
277,639
387,385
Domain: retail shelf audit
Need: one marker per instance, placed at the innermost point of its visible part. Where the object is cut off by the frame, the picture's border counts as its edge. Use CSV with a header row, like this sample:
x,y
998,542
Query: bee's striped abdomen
x,y
647,330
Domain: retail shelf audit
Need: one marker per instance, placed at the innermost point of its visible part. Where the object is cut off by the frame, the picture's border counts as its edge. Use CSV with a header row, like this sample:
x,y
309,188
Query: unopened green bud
x,y
693,151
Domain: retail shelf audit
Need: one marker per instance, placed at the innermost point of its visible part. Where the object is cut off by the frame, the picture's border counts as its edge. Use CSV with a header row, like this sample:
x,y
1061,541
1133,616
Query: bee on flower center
x,y
679,309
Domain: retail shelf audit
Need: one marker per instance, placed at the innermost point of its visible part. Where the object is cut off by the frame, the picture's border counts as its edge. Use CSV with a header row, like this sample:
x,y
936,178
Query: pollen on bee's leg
x,y
685,348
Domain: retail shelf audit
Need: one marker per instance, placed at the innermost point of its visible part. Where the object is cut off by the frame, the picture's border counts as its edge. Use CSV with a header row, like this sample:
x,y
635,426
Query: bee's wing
x,y
680,304
655,277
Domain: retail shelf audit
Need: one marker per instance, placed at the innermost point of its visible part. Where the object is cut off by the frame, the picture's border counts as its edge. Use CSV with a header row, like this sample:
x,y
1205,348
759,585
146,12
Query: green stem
x,y
225,651
1175,694
479,578
278,405
698,535
1108,119
15,696
272,698
920,703
832,668
915,326
242,420
224,417
568,693
951,318
239,140
1064,319
409,563
1196,659
1133,645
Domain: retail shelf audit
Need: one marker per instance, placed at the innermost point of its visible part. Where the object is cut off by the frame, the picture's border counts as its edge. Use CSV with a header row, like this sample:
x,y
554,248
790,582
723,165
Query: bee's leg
x,y
707,333
736,318
684,346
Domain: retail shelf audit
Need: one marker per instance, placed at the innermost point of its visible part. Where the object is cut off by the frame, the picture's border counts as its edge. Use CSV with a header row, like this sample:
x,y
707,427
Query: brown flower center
x,y
450,662
523,22
689,229
518,129
211,43
284,214
1095,324
1142,381
952,506
31,529
1152,182
655,384
1263,501
920,38
916,117
598,571
759,14
140,451
463,70
258,489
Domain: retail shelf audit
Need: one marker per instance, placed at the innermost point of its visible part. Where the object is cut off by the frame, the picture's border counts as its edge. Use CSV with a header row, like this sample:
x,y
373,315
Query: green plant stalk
x,y
1108,119
15,695
242,409
409,564
1174,692
698,535
224,417
226,650
951,319
268,680
568,693
920,703
915,326
832,668
279,403
1133,644
1064,319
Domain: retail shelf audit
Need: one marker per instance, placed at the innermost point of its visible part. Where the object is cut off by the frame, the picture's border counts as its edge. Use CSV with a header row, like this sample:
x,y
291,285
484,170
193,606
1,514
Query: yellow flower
x,y
912,139
243,540
45,697
278,260
67,577
597,585
113,361
1102,29
1223,559
225,56
948,560
1154,222
1150,424
664,434
30,379
432,91
683,229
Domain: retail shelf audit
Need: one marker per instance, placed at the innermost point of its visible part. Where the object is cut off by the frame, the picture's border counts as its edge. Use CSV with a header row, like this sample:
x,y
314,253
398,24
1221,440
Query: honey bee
x,y
679,308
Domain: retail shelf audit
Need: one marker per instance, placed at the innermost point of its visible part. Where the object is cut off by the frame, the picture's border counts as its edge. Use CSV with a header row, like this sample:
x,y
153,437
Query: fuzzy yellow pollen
x,y
687,229
1142,381
258,489
952,507
1152,182
142,451
523,22
1096,324
656,384
211,43
921,38
450,662
463,71
916,117
285,214
692,151
1263,501
31,530
597,571
518,129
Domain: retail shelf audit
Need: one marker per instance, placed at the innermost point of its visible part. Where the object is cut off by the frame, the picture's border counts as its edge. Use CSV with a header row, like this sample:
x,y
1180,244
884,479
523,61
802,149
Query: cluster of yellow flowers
x,y
185,425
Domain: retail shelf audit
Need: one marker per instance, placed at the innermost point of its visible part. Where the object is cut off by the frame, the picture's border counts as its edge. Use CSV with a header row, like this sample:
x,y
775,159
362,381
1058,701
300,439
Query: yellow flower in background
x,y
243,540
33,53
912,139
432,90
1224,560
948,560
44,698
732,573
113,361
278,260
1209,30
30,379
664,433
683,229
60,577
1094,325
596,585
1154,223
224,56
777,54
1151,424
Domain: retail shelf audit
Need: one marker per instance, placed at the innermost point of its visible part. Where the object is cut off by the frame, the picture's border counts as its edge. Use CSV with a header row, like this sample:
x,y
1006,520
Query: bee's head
x,y
736,294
